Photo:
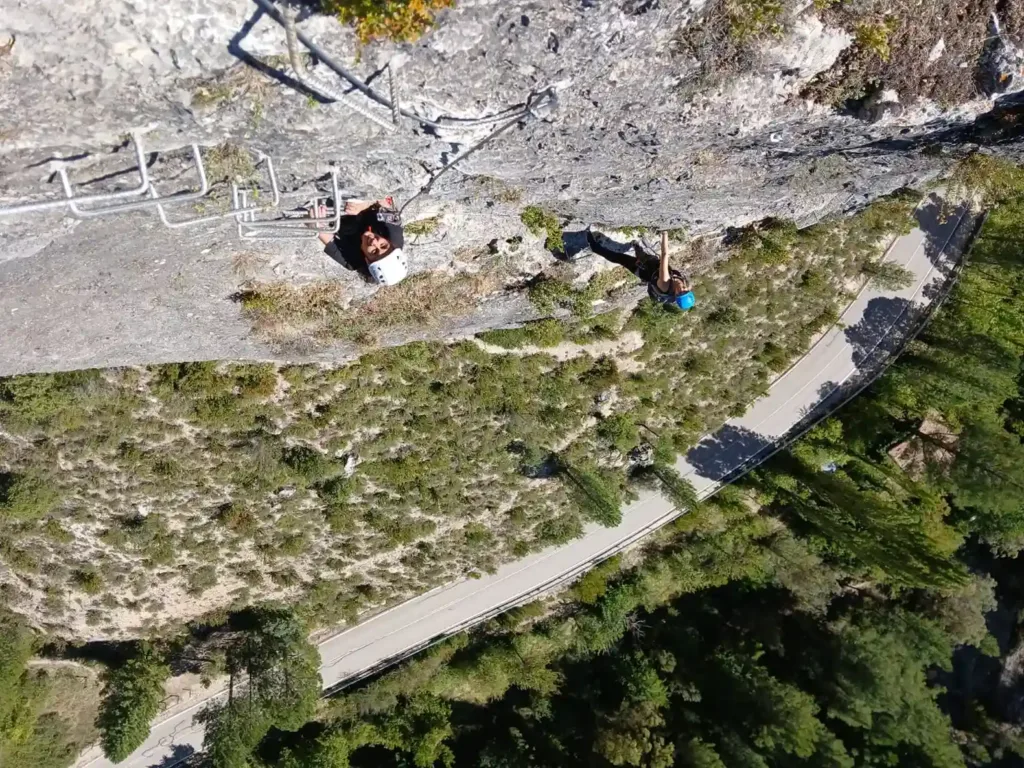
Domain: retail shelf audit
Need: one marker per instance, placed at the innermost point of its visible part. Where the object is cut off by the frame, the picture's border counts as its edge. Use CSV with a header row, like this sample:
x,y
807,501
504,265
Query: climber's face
x,y
374,246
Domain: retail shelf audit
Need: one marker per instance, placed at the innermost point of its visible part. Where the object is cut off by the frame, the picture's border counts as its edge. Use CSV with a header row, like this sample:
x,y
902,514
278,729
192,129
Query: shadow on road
x,y
177,757
720,454
885,324
940,223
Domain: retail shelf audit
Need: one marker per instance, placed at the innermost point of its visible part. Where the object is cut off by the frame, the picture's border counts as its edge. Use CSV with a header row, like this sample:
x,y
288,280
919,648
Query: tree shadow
x,y
828,393
881,331
942,224
180,754
720,455
112,653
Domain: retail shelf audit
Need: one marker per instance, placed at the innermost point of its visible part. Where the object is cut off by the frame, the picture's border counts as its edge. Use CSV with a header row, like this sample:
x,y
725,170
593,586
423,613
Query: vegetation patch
x,y
399,20
231,163
423,226
546,224
829,553
754,18
46,712
724,39
549,294
131,699
893,46
985,178
315,313
542,333
189,487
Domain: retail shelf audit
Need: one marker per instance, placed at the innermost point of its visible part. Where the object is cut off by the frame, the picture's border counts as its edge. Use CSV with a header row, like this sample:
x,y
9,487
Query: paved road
x,y
875,325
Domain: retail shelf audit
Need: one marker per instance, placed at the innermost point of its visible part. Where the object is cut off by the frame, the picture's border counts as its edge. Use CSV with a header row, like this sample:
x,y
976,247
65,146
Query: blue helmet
x,y
686,301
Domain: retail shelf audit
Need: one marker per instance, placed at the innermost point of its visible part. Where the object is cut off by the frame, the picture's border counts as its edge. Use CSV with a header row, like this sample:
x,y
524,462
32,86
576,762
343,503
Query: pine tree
x,y
131,699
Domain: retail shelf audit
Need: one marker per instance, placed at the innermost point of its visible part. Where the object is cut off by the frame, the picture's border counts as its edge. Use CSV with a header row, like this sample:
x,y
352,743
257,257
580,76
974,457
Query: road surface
x,y
875,325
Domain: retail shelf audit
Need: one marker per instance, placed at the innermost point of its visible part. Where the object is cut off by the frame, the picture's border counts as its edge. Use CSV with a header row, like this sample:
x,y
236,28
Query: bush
x,y
559,530
774,357
308,463
548,294
620,431
542,222
874,36
131,699
543,333
26,497
750,19
88,580
201,579
768,243
593,585
990,178
400,20
255,381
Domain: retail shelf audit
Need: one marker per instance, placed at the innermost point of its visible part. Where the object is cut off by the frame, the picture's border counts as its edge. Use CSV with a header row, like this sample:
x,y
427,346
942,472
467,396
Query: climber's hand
x,y
354,207
316,212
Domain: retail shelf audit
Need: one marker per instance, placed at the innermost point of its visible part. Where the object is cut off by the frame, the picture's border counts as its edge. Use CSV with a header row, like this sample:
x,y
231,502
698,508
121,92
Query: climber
x,y
664,284
369,240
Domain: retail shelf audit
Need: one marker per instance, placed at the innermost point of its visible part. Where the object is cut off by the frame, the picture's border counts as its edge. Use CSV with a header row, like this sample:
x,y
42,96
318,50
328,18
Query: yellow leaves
x,y
399,20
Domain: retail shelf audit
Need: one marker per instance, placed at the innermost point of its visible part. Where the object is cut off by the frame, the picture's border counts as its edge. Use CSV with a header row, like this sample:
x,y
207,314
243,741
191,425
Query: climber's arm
x,y
664,275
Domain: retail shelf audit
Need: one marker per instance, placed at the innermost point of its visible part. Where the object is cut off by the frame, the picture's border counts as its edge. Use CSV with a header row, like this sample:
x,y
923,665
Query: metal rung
x,y
181,197
52,205
275,201
287,228
333,221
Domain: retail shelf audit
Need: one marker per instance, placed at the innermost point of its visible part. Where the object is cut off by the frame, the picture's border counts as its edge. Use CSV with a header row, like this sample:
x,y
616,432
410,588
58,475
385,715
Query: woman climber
x,y
369,240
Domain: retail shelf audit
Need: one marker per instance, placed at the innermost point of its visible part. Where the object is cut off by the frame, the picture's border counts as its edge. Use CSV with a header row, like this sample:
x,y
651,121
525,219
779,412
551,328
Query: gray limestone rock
x,y
643,133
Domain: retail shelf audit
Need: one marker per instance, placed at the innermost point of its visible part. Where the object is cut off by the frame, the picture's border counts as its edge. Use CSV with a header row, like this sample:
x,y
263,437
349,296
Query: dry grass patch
x,y
315,313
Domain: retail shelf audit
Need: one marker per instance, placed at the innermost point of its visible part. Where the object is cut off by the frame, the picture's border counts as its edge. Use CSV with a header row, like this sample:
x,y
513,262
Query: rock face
x,y
655,126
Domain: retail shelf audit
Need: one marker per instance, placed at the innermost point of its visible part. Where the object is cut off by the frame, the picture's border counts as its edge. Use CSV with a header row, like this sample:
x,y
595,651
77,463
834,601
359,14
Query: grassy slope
x,y
137,498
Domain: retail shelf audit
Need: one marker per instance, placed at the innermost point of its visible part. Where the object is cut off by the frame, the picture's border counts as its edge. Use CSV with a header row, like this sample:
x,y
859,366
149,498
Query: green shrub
x,y
593,585
542,333
26,497
767,243
239,519
88,580
423,226
255,381
620,431
542,222
400,20
40,399
992,179
131,699
774,357
750,19
548,294
874,36
308,463
559,530
201,578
